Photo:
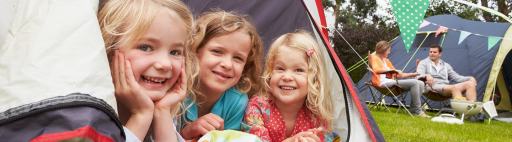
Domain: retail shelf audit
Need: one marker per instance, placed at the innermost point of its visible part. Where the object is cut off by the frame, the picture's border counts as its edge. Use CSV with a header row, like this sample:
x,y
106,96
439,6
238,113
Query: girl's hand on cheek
x,y
139,107
176,94
202,126
128,92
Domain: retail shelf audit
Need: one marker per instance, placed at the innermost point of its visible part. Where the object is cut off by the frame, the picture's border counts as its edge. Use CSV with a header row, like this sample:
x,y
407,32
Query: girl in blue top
x,y
229,53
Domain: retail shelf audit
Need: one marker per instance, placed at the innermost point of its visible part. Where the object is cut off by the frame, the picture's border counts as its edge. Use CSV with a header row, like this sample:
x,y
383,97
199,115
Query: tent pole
x,y
415,51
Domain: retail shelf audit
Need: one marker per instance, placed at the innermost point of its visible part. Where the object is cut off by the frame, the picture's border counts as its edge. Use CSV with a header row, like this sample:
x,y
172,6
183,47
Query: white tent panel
x,y
51,48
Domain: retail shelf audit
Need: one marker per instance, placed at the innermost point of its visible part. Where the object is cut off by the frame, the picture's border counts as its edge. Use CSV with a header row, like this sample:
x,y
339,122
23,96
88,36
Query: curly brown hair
x,y
218,23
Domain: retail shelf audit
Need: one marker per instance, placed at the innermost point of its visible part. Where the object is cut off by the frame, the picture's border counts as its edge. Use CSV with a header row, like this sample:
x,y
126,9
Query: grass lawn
x,y
400,127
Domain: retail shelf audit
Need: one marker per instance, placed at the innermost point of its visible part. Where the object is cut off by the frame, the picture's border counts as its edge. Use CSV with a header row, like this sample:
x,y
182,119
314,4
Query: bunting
x,y
409,15
424,24
463,35
491,41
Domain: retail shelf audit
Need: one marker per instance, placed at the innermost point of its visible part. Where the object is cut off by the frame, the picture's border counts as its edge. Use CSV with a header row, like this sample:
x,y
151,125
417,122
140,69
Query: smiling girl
x,y
229,54
146,46
296,104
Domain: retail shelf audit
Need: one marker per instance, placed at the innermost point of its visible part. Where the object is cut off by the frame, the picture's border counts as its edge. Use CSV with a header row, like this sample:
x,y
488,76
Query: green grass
x,y
400,127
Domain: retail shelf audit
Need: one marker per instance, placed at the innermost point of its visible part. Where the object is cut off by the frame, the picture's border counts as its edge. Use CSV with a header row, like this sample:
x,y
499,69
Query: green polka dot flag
x,y
409,15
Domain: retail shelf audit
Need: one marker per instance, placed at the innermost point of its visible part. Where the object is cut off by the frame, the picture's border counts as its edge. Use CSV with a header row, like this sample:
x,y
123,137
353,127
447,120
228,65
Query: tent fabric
x,y
274,18
471,57
51,48
62,118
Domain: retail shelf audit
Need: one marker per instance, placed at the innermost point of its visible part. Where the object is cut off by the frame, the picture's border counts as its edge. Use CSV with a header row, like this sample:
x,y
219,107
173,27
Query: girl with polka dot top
x,y
295,104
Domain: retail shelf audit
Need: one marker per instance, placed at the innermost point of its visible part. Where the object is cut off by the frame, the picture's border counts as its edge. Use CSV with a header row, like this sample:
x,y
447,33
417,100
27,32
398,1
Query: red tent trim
x,y
340,66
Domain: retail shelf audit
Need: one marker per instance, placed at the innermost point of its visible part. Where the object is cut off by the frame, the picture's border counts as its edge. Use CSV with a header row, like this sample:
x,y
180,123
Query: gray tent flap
x,y
71,117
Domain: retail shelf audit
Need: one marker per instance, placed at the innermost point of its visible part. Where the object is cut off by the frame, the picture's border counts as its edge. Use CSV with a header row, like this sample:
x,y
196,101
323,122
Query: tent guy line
x,y
455,29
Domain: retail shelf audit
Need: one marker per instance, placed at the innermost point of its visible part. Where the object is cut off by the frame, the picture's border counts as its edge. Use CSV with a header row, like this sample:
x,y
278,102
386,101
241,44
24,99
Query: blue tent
x,y
473,48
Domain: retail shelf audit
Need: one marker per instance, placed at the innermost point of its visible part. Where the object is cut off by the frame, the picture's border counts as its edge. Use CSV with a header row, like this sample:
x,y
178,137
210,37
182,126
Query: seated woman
x,y
384,74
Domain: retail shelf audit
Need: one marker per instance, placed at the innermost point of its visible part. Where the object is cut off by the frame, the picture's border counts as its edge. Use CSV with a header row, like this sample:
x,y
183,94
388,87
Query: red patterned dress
x,y
265,120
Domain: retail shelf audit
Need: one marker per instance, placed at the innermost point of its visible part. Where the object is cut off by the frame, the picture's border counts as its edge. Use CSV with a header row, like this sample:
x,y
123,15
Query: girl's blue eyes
x,y
300,70
149,48
240,59
145,47
221,52
176,52
216,51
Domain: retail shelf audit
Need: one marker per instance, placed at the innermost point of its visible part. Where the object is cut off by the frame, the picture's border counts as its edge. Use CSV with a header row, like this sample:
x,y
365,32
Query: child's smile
x,y
288,82
222,76
157,57
152,82
222,60
287,90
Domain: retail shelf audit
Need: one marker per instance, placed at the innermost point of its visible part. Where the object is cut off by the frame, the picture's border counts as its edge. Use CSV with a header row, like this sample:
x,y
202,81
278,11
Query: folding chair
x,y
395,92
392,92
433,96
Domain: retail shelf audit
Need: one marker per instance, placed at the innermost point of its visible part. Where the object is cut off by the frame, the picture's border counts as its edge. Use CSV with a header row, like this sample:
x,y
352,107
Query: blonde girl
x,y
146,46
229,52
295,104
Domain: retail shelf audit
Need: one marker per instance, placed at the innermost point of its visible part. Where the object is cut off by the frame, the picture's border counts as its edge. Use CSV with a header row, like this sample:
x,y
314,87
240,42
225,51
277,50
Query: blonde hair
x,y
218,23
318,99
123,22
381,47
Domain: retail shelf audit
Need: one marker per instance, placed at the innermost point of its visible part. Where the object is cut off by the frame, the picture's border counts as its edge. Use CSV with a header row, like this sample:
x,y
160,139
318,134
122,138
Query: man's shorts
x,y
438,87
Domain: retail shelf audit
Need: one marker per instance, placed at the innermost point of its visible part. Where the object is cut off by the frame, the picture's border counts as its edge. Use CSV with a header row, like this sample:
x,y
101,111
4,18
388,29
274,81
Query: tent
x,y
55,82
477,49
273,18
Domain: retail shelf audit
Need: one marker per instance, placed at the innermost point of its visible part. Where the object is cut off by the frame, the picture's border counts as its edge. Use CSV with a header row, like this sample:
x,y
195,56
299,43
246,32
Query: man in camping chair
x,y
439,74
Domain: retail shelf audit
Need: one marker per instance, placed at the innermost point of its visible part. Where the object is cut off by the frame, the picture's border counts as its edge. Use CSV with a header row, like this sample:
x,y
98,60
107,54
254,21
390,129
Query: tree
x,y
439,7
363,39
504,7
360,26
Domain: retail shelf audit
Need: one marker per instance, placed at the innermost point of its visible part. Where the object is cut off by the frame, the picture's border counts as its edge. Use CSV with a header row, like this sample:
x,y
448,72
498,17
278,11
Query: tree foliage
x,y
360,26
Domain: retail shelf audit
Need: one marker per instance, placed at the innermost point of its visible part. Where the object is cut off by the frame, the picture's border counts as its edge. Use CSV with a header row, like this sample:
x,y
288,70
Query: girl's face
x,y
157,58
288,82
222,61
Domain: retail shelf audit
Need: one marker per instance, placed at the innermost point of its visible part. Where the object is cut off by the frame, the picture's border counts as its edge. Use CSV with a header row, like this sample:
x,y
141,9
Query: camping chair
x,y
394,92
434,96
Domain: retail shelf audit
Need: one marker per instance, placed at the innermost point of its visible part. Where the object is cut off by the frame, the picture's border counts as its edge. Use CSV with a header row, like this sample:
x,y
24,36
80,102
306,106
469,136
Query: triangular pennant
x,y
491,41
409,14
463,35
424,23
